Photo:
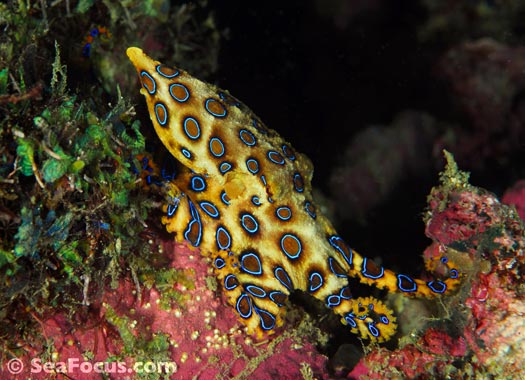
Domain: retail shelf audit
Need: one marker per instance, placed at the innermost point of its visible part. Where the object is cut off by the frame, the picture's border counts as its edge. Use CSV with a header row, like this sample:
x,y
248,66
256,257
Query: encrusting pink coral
x,y
482,330
203,338
515,196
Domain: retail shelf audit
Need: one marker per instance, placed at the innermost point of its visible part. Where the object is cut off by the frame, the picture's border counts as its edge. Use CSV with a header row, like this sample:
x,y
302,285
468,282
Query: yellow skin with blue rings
x,y
245,200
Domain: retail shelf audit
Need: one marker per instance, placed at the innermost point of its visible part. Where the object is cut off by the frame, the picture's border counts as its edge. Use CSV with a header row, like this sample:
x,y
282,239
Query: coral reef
x,y
177,322
73,209
515,196
82,277
481,329
182,329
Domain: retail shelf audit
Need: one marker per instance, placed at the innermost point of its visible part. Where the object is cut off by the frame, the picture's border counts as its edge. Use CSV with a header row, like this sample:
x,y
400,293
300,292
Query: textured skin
x,y
246,201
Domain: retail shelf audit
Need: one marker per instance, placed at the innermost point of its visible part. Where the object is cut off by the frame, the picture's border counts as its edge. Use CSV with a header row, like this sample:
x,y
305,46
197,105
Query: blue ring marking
x,y
437,286
225,167
247,137
223,230
373,329
171,210
454,274
167,172
94,32
152,90
223,198
223,149
285,280
255,291
315,275
172,207
275,293
288,153
295,255
195,219
263,179
220,263
210,209
266,313
161,122
207,106
167,175
251,170
190,136
401,278
243,267
186,153
384,319
330,264
287,213
239,300
333,300
298,183
444,259
275,157
350,320
197,183
227,284
368,275
252,219
158,68
342,294
309,207
256,201
180,100
333,242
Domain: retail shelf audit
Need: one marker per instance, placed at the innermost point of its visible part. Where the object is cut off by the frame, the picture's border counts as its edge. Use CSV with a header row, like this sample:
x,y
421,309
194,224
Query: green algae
x,y
151,349
3,80
77,209
163,280
452,180
26,155
451,177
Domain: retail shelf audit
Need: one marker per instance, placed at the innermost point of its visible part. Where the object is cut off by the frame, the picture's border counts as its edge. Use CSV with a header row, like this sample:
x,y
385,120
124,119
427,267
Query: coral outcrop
x,y
482,329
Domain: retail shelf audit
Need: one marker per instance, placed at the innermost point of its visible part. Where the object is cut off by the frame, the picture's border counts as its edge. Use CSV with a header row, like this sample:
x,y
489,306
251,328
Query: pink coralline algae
x,y
515,196
195,335
187,327
482,328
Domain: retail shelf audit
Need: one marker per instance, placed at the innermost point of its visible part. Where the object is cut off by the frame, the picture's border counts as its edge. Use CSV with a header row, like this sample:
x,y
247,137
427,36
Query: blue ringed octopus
x,y
245,200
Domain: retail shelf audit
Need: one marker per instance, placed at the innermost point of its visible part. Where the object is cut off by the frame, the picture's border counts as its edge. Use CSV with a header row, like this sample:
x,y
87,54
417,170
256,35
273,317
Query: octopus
x,y
244,198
